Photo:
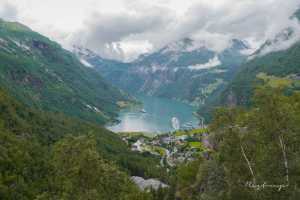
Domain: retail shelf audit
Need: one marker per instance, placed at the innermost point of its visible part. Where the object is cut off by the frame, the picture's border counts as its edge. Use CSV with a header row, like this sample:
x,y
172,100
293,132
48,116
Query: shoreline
x,y
153,115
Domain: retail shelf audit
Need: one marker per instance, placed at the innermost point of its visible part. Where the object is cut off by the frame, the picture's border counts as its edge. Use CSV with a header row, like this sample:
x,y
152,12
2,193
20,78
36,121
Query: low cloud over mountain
x,y
123,29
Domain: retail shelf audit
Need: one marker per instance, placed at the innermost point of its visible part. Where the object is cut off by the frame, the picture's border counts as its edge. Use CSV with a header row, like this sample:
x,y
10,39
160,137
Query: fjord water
x,y
154,116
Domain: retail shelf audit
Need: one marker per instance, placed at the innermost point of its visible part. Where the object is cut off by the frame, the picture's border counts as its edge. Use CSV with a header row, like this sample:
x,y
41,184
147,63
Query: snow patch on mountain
x,y
175,69
3,41
21,45
213,62
86,63
156,67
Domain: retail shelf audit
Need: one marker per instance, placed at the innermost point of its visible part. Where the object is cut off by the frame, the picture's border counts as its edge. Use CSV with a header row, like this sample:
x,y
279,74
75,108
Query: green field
x,y
196,145
161,151
137,134
274,81
191,132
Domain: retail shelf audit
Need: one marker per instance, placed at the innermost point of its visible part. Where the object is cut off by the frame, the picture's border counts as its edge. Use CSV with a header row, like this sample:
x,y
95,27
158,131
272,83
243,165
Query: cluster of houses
x,y
173,148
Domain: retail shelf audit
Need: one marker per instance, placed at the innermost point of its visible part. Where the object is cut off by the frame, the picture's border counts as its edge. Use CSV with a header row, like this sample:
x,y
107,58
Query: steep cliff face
x,y
179,71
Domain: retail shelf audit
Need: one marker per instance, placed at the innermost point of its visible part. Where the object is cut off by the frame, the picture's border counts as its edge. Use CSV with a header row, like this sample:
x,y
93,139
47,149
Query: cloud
x,y
8,11
108,34
214,24
252,20
258,19
282,41
123,29
213,62
86,63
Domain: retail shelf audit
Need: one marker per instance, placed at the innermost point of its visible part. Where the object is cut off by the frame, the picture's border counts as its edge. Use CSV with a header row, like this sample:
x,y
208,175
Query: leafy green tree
x,y
256,151
79,172
22,167
249,142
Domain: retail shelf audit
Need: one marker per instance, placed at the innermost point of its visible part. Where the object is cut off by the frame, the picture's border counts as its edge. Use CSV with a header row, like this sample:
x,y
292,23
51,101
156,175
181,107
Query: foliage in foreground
x,y
48,156
72,169
256,156
256,152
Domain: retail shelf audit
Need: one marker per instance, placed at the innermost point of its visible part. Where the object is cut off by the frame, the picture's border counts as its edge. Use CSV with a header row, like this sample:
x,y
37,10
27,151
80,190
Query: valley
x,y
183,70
183,120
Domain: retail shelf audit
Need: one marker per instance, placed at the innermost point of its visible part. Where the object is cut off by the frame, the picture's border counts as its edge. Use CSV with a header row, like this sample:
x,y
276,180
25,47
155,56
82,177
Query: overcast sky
x,y
123,29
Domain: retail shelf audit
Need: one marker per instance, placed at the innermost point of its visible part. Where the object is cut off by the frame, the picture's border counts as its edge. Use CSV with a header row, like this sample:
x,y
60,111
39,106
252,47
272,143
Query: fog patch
x,y
213,62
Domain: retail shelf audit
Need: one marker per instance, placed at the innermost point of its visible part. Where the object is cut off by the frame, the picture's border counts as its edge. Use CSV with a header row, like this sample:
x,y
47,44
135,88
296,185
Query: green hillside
x,y
254,154
43,155
43,75
48,128
281,64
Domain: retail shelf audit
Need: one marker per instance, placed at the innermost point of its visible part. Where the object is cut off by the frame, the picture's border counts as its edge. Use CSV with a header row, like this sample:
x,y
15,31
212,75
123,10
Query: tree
x,y
256,150
79,172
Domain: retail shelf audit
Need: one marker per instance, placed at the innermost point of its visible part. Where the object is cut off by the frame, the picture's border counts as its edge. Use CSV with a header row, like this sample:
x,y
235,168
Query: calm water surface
x,y
155,116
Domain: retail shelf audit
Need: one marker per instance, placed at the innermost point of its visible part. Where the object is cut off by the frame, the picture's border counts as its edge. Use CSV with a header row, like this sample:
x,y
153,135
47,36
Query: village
x,y
173,148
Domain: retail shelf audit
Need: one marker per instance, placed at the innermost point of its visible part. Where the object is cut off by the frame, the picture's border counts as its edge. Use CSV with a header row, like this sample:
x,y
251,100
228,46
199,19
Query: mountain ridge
x,y
175,71
42,74
282,61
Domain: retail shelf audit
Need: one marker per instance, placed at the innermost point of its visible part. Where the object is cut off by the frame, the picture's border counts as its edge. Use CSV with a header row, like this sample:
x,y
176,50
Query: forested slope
x,y
255,152
41,74
49,156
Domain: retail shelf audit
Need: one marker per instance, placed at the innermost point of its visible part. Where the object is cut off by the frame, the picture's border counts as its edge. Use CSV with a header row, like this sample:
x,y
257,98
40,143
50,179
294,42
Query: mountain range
x,y
198,75
180,70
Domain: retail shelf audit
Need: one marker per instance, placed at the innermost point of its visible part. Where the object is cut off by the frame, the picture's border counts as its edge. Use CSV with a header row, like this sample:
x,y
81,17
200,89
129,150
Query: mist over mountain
x,y
278,56
123,30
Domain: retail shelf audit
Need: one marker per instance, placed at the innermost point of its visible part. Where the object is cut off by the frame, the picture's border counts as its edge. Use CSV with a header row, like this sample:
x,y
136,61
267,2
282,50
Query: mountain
x,y
282,64
52,144
279,57
181,70
109,69
42,74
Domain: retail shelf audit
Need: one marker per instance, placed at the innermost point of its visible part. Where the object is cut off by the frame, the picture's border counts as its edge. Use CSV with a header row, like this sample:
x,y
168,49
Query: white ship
x,y
175,123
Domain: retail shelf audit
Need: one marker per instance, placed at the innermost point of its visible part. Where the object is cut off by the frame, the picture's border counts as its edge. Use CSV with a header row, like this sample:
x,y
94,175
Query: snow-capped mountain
x,y
178,71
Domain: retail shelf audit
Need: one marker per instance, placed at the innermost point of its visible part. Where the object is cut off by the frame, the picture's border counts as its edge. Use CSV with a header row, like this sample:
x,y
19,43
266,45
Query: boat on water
x,y
132,114
189,124
175,123
143,111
